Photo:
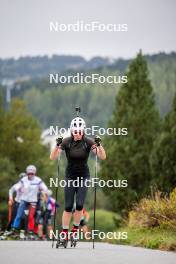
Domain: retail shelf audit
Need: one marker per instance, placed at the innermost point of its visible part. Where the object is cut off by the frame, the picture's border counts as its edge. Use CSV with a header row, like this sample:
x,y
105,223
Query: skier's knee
x,y
68,209
79,207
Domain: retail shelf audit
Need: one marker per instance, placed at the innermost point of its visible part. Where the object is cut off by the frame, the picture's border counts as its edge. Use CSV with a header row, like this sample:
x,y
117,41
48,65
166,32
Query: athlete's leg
x,y
69,201
20,211
26,214
31,220
80,198
14,213
40,222
40,230
49,221
85,230
77,217
66,217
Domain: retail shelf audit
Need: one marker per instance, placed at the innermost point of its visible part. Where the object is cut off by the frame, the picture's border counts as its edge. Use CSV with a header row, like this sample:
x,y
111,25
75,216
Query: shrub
x,y
157,211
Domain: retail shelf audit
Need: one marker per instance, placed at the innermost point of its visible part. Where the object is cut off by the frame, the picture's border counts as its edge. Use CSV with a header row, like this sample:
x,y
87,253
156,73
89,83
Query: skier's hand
x,y
59,140
10,202
97,140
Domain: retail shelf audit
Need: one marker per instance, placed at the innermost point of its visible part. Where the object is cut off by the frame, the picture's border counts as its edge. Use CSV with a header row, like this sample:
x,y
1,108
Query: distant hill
x,y
40,66
51,104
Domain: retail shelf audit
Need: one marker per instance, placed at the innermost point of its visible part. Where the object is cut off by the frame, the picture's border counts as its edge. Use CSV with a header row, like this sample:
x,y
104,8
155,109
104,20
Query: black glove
x,y
59,140
97,140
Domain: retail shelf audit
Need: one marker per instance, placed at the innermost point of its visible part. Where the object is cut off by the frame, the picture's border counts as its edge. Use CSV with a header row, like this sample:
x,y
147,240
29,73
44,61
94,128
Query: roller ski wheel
x,y
62,240
73,242
61,243
74,237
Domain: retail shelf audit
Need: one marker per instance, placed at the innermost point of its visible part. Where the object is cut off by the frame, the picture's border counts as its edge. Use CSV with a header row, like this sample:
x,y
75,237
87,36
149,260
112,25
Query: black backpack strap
x,y
85,143
70,142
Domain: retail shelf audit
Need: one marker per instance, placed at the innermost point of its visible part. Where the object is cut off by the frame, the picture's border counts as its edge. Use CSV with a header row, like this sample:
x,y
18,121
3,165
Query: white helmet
x,y
77,124
31,169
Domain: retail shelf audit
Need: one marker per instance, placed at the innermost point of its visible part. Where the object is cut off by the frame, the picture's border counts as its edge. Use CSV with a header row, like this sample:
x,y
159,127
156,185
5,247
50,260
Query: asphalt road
x,y
29,252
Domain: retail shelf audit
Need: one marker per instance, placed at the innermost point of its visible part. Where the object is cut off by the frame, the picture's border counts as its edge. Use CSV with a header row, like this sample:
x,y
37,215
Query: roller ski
x,y
74,237
62,240
5,235
10,235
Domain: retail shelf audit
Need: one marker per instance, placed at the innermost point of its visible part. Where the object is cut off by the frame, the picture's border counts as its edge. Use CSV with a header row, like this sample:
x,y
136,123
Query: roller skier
x,y
30,185
77,148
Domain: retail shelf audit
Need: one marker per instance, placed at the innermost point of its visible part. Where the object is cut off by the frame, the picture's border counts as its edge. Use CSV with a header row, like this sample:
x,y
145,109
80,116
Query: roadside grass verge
x,y
153,238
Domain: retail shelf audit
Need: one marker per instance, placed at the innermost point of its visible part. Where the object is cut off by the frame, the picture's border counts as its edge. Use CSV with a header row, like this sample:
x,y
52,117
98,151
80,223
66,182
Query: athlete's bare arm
x,y
55,153
99,151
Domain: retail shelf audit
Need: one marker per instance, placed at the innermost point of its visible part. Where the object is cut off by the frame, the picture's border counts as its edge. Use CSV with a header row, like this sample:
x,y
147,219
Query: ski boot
x,y
62,240
22,235
31,236
74,237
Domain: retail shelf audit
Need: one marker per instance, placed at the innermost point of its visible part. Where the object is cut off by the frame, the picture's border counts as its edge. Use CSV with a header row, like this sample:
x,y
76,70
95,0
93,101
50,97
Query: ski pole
x,y
78,110
56,195
95,198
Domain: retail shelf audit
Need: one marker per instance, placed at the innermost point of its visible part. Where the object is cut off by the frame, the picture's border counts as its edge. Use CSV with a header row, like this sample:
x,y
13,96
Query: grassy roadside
x,y
153,238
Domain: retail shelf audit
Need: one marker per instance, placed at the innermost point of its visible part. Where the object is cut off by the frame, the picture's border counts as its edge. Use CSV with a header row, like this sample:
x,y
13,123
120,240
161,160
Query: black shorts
x,y
71,191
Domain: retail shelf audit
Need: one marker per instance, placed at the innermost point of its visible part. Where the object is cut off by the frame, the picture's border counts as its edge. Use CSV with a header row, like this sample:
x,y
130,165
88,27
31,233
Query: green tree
x,y
128,156
20,146
7,173
21,141
163,159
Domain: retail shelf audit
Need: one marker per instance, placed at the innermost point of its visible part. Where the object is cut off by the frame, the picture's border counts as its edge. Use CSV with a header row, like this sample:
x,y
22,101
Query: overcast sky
x,y
24,27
